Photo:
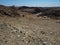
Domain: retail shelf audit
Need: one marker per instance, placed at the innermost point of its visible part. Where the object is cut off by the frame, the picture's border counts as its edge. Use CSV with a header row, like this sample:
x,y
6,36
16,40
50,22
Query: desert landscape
x,y
29,25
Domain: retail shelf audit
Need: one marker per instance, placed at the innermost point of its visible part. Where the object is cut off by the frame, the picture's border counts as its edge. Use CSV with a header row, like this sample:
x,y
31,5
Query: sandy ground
x,y
29,30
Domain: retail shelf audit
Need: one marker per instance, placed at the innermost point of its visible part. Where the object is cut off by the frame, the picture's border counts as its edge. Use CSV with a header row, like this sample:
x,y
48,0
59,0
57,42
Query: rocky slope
x,y
29,30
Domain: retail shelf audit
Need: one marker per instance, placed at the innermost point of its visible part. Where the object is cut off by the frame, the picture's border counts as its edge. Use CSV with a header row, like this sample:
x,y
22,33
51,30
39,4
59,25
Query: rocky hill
x,y
19,27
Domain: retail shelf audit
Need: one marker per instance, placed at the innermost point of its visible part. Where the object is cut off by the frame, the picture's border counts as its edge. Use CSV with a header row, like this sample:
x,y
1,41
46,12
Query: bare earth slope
x,y
29,30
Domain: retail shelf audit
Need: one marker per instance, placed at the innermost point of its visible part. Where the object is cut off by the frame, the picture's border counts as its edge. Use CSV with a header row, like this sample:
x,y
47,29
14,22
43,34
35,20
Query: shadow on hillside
x,y
53,13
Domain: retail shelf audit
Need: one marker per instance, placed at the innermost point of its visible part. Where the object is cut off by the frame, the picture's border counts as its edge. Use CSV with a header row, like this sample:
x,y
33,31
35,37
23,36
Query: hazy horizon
x,y
31,3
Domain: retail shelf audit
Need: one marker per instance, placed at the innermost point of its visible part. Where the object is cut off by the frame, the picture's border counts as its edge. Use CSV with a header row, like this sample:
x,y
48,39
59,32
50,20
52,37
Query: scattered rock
x,y
42,32
6,41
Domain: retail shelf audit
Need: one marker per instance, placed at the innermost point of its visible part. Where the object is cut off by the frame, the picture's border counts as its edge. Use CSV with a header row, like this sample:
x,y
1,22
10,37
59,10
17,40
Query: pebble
x,y
51,32
21,32
15,30
42,32
24,37
18,35
26,42
26,32
45,42
6,41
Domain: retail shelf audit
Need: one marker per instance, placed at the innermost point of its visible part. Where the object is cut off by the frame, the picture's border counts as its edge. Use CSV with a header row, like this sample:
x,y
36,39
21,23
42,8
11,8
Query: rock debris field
x,y
29,31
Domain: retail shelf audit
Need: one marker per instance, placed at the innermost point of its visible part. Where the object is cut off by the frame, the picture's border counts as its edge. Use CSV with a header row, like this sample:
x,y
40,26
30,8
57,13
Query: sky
x,y
39,3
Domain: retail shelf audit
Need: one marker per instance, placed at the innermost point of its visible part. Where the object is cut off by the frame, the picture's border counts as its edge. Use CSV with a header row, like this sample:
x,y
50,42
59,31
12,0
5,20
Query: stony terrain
x,y
29,30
